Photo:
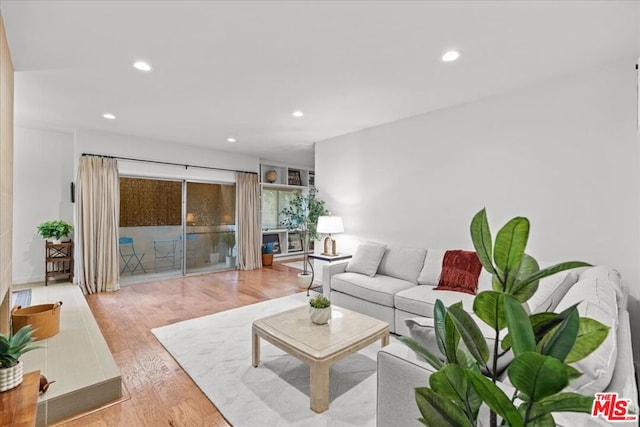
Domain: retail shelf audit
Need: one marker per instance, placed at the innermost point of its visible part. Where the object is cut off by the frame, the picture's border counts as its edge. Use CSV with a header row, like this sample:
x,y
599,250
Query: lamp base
x,y
329,246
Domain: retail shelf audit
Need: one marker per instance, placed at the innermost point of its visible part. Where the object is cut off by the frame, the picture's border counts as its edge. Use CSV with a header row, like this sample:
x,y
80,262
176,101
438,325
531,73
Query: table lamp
x,y
330,225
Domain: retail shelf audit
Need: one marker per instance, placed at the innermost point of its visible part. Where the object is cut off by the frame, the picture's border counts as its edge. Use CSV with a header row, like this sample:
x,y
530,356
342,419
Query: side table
x,y
328,259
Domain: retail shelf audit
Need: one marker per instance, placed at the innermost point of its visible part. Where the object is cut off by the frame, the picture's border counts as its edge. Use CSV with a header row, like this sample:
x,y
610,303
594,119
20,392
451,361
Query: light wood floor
x,y
161,393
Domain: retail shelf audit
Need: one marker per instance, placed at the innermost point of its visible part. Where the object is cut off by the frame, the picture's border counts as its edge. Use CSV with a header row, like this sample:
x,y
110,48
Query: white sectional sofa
x,y
403,287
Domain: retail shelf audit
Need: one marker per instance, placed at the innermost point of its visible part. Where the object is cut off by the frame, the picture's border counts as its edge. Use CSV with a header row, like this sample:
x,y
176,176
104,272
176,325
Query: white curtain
x,y
249,227
97,209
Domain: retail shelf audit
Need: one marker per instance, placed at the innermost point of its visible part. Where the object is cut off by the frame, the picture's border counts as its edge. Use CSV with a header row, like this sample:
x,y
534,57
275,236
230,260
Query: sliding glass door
x,y
175,227
211,225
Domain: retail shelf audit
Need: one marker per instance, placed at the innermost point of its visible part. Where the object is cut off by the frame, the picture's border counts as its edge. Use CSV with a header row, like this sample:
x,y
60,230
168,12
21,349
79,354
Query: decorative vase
x,y
11,377
320,316
271,176
214,258
304,280
267,259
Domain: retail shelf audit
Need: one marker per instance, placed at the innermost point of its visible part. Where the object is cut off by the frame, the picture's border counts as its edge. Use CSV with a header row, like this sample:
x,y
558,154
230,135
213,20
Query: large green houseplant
x,y
543,344
302,216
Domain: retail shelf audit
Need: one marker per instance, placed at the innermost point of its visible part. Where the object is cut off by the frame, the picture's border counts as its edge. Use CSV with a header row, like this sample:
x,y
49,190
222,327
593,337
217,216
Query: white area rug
x,y
295,264
215,351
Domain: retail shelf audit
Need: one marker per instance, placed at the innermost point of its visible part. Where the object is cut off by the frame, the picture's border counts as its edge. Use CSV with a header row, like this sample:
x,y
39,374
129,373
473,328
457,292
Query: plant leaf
x,y
481,237
439,313
470,334
450,382
426,354
439,411
452,337
528,266
564,402
494,398
591,334
511,242
520,330
563,337
489,307
545,272
537,376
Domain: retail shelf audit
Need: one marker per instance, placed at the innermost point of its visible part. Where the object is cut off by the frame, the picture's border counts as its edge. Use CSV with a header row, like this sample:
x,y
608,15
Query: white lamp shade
x,y
330,225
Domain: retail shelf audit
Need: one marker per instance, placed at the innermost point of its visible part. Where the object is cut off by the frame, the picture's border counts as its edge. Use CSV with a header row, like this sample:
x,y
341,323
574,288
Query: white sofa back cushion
x,y
597,300
366,259
430,274
402,263
551,290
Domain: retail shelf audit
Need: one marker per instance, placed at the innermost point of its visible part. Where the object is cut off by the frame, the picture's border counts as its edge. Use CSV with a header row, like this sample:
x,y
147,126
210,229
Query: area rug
x,y
215,351
21,298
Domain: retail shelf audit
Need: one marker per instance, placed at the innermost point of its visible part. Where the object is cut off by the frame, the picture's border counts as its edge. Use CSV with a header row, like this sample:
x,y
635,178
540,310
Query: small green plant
x,y
56,229
14,346
229,240
320,302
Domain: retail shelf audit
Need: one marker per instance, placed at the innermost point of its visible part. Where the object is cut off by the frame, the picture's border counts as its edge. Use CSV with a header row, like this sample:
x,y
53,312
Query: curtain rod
x,y
166,163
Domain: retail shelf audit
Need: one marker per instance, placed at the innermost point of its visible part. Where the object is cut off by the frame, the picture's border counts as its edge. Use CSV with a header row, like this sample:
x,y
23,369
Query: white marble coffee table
x,y
319,346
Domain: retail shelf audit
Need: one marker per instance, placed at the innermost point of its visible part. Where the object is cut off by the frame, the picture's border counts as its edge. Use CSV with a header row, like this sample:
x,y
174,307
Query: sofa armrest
x,y
399,373
329,270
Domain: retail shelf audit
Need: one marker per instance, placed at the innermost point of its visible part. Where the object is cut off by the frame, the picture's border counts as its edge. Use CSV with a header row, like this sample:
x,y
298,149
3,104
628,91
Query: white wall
x,y
43,171
564,153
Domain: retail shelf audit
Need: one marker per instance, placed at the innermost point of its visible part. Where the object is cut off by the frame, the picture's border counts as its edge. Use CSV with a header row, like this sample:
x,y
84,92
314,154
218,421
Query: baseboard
x,y
27,279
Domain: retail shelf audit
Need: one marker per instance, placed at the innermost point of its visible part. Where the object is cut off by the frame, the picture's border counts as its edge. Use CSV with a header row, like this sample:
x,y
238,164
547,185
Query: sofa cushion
x,y
366,259
379,289
460,271
420,300
610,275
551,290
430,273
402,263
597,300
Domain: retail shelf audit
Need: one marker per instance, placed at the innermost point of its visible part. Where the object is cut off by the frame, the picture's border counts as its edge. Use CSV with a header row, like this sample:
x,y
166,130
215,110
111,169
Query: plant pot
x,y
214,258
320,316
267,259
304,280
231,261
11,377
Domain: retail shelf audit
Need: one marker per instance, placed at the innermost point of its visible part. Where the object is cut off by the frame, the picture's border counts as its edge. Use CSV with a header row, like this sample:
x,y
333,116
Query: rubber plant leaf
x,y
511,242
537,376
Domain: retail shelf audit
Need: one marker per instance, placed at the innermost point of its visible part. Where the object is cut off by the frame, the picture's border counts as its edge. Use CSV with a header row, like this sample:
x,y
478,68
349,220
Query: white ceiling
x,y
240,68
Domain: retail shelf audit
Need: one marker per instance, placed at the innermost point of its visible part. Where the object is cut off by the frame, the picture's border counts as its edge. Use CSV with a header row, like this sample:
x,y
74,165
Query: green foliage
x,y
56,229
320,302
302,216
543,344
229,240
14,346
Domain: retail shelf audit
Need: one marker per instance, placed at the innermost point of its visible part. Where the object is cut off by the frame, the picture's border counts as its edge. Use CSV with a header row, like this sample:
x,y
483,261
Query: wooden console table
x,y
18,407
58,260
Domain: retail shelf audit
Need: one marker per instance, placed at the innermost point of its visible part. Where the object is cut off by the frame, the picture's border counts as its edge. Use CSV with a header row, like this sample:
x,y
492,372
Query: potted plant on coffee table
x,y
302,216
55,230
11,348
320,310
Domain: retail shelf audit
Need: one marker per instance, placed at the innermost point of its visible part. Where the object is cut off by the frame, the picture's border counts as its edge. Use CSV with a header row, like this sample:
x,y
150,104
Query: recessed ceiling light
x,y
297,113
142,66
109,116
231,140
451,55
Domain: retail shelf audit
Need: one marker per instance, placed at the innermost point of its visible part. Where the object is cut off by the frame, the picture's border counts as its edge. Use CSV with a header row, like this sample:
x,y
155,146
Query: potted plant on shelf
x,y
302,216
543,344
55,230
229,240
267,254
320,310
11,348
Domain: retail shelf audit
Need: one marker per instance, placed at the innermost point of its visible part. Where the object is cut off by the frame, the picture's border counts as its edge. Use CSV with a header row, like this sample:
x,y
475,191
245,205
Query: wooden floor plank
x,y
162,394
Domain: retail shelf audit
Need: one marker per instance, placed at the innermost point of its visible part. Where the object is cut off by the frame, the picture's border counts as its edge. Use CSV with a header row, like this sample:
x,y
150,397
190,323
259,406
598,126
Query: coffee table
x,y
319,346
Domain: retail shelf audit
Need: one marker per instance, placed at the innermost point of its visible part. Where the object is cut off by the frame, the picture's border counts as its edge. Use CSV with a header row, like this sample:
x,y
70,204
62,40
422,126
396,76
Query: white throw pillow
x,y
366,259
430,274
551,290
402,263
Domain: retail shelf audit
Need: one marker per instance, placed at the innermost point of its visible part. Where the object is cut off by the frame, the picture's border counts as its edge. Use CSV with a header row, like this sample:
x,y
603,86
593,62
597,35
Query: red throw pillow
x,y
460,272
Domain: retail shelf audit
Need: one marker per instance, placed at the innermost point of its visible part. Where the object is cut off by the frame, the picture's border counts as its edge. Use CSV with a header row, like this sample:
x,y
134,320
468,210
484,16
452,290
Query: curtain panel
x,y
97,211
249,227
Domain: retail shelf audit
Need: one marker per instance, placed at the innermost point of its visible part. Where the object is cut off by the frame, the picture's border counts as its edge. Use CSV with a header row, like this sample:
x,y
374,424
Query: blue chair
x,y
132,261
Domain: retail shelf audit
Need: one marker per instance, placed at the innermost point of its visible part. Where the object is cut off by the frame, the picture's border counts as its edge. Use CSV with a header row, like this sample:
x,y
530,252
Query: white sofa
x,y
404,288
